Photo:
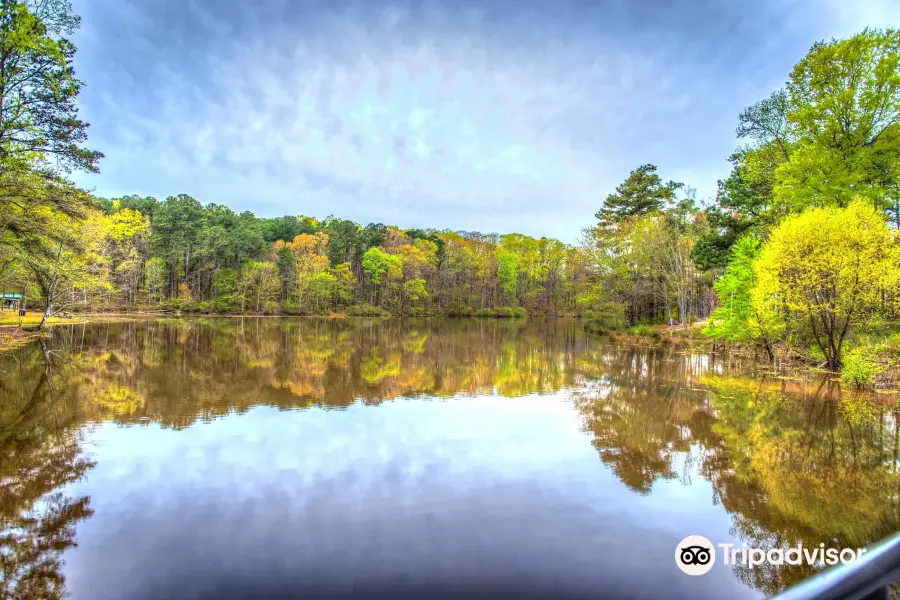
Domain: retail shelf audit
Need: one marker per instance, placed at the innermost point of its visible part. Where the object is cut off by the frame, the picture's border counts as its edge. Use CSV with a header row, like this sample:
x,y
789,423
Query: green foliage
x,y
39,124
730,321
642,192
604,318
503,312
832,135
861,365
379,265
258,287
744,204
737,319
844,110
366,310
415,290
827,267
645,331
157,278
459,310
507,273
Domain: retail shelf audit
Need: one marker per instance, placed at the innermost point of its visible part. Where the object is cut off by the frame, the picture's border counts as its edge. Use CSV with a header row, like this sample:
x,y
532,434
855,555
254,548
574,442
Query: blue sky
x,y
495,116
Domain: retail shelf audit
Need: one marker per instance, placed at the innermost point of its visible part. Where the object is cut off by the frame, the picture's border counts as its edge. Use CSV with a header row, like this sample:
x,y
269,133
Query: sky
x,y
491,116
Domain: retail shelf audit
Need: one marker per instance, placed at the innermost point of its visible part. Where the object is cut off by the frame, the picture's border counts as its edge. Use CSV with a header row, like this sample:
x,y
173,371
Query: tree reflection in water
x,y
789,462
40,453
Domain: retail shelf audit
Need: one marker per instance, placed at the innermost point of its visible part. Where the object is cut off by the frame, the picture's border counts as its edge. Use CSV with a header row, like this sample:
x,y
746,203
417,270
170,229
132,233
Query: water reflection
x,y
41,454
686,438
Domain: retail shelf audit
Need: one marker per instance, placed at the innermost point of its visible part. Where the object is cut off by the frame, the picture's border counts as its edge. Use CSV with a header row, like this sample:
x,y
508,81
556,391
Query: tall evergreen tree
x,y
642,192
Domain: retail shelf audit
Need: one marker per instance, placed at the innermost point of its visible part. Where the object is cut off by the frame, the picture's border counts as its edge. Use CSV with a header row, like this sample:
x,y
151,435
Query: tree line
x,y
800,245
796,253
63,248
178,253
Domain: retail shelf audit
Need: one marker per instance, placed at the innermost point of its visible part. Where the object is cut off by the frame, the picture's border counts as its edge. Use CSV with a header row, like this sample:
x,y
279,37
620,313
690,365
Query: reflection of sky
x,y
462,492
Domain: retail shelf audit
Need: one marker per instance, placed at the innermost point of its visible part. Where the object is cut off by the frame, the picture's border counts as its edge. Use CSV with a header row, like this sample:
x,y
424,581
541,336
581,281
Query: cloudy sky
x,y
492,116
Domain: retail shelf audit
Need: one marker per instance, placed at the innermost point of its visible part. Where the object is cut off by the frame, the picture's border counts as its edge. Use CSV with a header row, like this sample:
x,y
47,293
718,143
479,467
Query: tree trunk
x,y
768,348
897,212
47,314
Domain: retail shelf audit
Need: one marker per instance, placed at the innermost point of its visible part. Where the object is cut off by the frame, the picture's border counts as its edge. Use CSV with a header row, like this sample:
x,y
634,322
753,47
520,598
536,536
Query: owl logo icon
x,y
695,555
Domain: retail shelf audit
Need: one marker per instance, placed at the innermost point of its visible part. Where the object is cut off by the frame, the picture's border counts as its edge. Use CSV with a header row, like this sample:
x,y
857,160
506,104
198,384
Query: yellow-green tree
x,y
259,285
66,266
844,112
826,266
125,247
310,265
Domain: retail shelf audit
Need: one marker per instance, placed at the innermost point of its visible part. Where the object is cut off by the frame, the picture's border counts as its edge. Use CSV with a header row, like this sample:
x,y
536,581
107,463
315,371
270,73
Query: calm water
x,y
266,458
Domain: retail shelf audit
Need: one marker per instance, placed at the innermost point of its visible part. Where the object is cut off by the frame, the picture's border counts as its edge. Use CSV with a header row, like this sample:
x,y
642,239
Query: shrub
x,y
458,310
861,366
644,331
224,305
290,307
503,312
367,310
595,327
605,318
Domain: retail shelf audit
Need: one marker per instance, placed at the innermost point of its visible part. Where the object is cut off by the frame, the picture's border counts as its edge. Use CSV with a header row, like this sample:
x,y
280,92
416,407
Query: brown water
x,y
267,458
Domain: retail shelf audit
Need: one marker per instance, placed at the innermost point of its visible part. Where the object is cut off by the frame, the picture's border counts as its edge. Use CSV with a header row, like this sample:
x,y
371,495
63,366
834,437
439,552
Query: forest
x,y
797,255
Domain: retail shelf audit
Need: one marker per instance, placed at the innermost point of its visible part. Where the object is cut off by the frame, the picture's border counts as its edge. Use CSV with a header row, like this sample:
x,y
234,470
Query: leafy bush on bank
x,y
367,310
503,312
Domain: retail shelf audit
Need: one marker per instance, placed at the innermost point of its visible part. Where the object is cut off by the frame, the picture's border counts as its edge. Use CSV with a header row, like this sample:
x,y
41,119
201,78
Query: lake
x,y
281,458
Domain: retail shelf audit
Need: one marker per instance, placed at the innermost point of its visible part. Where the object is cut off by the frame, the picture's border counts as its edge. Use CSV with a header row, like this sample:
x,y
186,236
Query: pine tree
x,y
642,192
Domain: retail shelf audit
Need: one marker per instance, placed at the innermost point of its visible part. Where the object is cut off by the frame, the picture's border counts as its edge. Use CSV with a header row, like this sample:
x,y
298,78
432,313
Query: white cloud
x,y
434,119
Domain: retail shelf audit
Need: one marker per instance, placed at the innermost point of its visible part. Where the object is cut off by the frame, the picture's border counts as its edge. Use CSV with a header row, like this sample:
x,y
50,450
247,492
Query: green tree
x,y
380,267
176,228
321,291
737,319
258,286
845,114
309,252
39,124
344,284
744,204
507,274
126,249
415,291
62,266
643,191
827,266
157,279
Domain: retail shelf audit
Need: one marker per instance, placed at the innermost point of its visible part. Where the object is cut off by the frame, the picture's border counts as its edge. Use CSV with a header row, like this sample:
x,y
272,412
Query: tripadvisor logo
x,y
696,555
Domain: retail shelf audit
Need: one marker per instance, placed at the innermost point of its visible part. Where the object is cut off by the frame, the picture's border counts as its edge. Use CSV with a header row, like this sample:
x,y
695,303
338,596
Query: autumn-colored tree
x,y
310,260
